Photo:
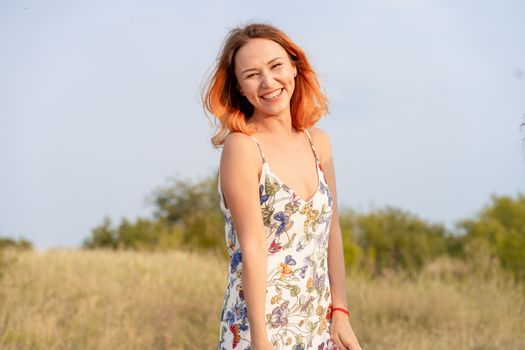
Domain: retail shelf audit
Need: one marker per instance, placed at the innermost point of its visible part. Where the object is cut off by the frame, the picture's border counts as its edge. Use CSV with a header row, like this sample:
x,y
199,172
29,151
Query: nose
x,y
266,79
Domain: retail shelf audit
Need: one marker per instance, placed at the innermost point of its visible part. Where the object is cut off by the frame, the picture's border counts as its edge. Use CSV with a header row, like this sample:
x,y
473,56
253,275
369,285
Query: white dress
x,y
298,294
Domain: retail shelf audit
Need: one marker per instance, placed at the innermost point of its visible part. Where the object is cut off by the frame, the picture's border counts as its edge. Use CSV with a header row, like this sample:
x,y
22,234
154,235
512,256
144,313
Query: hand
x,y
342,333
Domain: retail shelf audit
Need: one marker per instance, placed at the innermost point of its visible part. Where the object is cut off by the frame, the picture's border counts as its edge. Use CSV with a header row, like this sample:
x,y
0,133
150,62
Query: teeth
x,y
273,95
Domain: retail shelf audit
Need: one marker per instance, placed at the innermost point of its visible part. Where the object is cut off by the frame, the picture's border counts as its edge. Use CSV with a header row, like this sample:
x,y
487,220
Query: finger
x,y
334,345
346,341
351,344
338,343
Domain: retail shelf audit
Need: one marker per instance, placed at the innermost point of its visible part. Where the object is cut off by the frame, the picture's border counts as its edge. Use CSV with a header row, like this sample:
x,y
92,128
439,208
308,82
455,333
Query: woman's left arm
x,y
340,329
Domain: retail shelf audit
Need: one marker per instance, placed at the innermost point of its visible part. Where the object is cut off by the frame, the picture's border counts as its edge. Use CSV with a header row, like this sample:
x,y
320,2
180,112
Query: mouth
x,y
272,95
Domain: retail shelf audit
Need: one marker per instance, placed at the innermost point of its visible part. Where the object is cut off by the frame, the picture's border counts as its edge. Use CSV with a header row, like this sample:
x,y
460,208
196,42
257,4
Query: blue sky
x,y
100,104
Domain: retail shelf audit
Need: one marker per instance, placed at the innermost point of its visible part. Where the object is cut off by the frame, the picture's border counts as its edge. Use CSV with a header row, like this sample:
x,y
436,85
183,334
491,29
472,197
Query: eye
x,y
276,65
250,75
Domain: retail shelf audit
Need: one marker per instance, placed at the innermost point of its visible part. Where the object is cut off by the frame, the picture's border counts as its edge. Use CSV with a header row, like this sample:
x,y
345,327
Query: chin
x,y
273,111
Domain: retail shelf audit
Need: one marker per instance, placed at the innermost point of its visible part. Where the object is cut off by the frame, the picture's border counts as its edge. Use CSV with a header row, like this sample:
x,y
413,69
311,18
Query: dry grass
x,y
72,299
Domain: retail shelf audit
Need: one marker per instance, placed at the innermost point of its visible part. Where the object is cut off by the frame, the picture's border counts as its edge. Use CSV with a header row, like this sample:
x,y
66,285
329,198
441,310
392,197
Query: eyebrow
x,y
269,62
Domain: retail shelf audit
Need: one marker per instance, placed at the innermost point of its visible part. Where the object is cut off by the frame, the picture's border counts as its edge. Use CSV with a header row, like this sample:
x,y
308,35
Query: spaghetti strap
x,y
312,144
309,139
260,149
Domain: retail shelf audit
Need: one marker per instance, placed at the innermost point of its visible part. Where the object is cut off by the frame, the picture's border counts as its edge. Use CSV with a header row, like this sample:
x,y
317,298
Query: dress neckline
x,y
283,184
288,188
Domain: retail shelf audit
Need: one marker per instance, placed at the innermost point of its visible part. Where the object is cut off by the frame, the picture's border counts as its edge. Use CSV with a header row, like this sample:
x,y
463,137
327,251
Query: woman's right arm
x,y
239,165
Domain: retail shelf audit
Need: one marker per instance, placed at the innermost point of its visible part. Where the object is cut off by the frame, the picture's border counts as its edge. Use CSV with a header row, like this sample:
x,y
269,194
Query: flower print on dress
x,y
293,205
311,216
305,305
285,268
283,219
234,328
237,320
303,271
297,281
279,315
274,247
240,290
263,197
271,186
319,282
323,190
231,239
235,261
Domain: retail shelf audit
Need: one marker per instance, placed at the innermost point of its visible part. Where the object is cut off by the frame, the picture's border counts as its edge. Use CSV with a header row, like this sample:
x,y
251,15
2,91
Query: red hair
x,y
223,100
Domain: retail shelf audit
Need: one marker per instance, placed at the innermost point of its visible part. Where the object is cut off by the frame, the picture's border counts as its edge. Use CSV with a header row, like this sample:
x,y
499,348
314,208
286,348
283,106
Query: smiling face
x,y
265,76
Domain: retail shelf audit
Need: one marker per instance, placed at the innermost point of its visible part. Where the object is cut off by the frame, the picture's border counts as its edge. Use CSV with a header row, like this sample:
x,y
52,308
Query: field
x,y
76,299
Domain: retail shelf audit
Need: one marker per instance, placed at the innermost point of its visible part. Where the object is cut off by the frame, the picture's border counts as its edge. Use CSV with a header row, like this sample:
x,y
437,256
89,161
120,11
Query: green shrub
x,y
502,225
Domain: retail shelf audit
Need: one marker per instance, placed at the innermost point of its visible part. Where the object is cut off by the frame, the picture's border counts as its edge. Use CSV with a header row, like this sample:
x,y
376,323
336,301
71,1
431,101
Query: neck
x,y
279,125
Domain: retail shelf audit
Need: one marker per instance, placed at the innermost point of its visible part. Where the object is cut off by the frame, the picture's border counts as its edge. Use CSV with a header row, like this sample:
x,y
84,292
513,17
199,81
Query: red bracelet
x,y
332,309
341,309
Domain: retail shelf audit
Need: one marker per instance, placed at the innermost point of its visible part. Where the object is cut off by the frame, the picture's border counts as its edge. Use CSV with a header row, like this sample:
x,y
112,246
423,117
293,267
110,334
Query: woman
x,y
286,278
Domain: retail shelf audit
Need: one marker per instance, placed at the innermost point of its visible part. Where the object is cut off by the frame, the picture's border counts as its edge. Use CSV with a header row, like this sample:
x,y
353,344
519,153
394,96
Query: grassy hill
x,y
80,299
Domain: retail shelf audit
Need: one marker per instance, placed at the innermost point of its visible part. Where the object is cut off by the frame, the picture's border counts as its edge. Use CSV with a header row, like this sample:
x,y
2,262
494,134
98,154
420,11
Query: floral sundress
x,y
298,298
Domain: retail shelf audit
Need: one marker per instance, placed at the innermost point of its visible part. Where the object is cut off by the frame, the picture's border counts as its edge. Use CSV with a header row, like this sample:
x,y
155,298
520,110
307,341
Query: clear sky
x,y
99,103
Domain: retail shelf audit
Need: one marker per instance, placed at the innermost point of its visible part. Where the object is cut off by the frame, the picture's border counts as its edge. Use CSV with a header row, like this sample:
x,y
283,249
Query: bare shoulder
x,y
239,169
240,153
322,143
237,141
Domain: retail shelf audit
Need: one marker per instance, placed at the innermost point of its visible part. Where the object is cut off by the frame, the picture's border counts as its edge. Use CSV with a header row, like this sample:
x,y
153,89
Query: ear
x,y
294,71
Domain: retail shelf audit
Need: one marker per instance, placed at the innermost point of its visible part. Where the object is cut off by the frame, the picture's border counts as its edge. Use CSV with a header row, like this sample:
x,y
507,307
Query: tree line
x,y
187,216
